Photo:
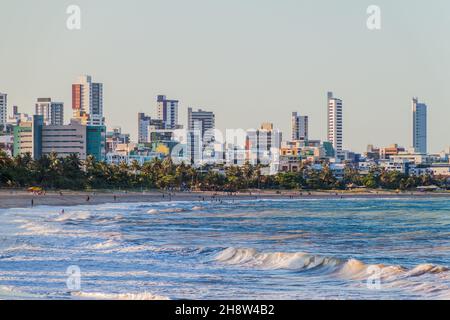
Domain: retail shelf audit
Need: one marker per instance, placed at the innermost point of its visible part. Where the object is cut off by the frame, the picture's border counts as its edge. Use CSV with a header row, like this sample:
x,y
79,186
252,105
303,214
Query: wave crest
x,y
277,260
299,261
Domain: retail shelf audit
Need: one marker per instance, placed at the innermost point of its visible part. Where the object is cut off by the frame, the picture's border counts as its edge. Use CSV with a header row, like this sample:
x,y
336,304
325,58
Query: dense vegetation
x,y
51,172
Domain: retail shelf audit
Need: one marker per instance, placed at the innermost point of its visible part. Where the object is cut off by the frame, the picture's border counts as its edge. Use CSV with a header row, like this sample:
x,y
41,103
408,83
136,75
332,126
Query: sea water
x,y
262,249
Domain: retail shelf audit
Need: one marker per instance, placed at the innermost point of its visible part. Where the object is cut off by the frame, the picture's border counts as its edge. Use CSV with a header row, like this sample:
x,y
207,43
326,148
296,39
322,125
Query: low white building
x,y
397,164
365,166
441,170
416,158
116,158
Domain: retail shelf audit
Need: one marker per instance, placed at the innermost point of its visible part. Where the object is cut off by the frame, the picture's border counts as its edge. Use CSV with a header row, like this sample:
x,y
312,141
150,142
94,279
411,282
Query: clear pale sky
x,y
249,61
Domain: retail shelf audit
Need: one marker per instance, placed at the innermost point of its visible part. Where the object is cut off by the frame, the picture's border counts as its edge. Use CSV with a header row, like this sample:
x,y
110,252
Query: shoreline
x,y
23,199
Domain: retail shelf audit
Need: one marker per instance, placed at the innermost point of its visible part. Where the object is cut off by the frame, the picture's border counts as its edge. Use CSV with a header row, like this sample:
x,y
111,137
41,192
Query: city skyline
x,y
166,113
375,73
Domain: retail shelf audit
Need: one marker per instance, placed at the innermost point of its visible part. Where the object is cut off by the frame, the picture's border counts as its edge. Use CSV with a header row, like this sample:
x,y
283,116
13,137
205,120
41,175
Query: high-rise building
x,y
53,112
335,123
263,145
167,111
3,109
419,126
201,125
204,120
150,130
87,101
299,127
143,123
96,142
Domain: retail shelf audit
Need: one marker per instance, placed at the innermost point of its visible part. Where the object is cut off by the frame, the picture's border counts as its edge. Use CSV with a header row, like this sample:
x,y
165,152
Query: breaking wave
x,y
352,269
169,210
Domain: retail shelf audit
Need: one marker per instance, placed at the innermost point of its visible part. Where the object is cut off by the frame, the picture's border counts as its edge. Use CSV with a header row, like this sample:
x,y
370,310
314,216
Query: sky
x,y
249,61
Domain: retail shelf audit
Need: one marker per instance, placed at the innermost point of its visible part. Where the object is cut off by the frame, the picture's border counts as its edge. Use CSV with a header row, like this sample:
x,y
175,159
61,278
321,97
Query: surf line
x,y
192,311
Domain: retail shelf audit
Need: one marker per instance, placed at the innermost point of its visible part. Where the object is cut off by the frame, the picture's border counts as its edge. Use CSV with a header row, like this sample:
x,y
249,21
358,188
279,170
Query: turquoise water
x,y
264,249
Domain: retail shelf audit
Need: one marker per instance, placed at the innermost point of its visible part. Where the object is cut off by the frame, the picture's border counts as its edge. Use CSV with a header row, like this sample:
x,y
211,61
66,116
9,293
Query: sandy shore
x,y
23,199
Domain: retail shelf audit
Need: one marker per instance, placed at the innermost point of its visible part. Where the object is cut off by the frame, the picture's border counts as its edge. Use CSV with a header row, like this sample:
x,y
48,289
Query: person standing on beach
x,y
32,203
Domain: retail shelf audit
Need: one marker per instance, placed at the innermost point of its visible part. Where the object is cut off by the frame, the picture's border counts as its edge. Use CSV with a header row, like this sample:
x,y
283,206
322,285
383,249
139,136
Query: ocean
x,y
262,249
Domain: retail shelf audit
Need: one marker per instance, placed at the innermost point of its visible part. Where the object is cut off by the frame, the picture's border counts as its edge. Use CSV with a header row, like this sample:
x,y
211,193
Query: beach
x,y
24,199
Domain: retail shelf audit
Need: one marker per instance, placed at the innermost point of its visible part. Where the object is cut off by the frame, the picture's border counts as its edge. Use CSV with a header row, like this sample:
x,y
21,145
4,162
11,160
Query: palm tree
x,y
73,175
6,169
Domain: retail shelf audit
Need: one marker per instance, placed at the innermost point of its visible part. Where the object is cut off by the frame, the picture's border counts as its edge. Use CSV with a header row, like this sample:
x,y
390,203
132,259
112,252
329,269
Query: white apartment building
x,y
400,165
53,112
335,123
415,158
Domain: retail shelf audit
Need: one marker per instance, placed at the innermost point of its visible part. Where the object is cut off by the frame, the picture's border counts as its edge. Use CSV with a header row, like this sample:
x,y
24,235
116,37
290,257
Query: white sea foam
x,y
9,292
426,269
134,249
103,245
48,229
34,228
21,247
174,210
168,210
73,216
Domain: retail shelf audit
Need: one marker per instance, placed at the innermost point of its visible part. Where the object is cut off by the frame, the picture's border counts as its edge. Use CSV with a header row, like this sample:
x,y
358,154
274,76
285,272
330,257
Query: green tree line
x,y
53,172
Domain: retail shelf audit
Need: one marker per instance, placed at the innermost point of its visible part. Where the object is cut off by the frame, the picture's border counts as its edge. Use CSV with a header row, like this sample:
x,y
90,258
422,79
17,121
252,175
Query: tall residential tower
x,y
87,101
419,126
167,111
200,133
335,124
299,127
